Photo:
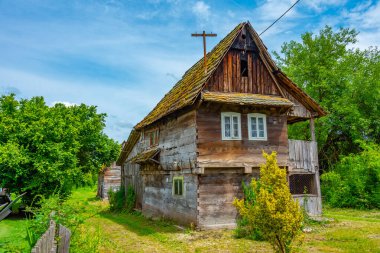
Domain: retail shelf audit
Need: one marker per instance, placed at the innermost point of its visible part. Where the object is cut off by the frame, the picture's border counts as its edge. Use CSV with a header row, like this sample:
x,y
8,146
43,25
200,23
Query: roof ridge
x,y
186,90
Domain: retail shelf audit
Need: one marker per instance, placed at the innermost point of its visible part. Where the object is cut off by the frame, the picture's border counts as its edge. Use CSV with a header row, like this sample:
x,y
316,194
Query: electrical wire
x,y
280,17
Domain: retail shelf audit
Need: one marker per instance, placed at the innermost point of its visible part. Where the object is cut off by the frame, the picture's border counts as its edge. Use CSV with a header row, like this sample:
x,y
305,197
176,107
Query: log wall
x,y
227,77
215,152
153,184
217,190
159,200
131,175
109,178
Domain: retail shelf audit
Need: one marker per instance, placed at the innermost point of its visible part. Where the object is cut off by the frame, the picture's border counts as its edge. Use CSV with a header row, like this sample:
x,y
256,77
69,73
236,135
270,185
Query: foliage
x,y
346,82
70,213
270,208
121,200
130,199
116,199
44,149
245,228
352,231
355,180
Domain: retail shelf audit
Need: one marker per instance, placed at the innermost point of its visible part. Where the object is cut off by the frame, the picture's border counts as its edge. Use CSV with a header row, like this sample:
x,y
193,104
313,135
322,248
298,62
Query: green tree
x,y
346,82
46,149
270,208
355,180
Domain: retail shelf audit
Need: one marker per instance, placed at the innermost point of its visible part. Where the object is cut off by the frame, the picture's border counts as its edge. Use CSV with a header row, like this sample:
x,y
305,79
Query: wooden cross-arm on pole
x,y
204,35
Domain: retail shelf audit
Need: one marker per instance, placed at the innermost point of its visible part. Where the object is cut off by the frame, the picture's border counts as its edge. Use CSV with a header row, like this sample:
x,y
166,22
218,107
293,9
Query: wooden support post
x,y
312,131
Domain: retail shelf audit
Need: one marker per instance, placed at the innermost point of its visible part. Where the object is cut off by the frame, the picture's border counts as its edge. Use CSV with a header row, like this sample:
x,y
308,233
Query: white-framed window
x,y
231,126
257,126
178,186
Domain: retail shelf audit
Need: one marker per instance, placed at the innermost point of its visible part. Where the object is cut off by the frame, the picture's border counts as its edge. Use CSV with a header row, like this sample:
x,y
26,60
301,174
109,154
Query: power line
x,y
280,17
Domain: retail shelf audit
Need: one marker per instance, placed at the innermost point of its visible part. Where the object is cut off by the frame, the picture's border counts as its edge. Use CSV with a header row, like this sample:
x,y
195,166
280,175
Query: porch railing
x,y
303,155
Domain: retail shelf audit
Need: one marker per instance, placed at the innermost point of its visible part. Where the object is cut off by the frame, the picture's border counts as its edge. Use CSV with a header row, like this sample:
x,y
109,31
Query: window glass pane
x,y
261,134
227,126
236,126
253,127
180,186
261,124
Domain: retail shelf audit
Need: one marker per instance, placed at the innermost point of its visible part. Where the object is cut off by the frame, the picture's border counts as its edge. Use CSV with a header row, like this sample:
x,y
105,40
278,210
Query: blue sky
x,y
123,56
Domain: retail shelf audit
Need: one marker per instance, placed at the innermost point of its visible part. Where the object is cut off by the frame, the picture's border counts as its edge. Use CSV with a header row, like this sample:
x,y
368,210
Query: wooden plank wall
x,y
131,175
215,196
178,142
303,156
110,178
298,110
227,76
214,152
160,202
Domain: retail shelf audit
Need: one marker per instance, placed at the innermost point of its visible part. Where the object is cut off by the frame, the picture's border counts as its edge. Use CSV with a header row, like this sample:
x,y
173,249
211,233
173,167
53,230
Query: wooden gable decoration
x,y
243,70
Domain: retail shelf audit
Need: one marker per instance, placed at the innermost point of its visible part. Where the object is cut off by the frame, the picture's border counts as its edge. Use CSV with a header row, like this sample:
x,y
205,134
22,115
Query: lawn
x,y
350,231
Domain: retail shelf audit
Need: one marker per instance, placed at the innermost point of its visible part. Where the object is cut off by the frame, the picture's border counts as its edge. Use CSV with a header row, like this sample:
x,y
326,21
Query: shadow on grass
x,y
137,223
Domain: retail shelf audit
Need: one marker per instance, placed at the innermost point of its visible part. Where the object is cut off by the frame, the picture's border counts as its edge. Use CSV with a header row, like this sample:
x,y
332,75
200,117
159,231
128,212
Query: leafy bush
x,y
270,208
121,200
45,148
244,228
355,180
69,213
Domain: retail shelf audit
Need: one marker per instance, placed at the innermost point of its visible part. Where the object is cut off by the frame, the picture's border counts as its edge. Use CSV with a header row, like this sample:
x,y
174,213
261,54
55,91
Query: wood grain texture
x,y
217,191
159,200
258,81
214,152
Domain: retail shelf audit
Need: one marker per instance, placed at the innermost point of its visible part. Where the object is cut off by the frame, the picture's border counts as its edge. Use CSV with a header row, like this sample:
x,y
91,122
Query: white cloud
x,y
201,10
365,18
65,103
321,5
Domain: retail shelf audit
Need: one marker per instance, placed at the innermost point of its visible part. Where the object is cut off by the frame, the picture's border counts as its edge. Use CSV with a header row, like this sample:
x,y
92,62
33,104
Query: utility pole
x,y
204,35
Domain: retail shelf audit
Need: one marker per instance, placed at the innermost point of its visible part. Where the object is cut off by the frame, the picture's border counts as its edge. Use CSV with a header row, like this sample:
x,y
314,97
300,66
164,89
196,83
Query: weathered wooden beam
x,y
312,129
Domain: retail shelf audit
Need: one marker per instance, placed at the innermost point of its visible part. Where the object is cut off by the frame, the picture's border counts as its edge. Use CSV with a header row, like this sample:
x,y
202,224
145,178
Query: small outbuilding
x,y
108,178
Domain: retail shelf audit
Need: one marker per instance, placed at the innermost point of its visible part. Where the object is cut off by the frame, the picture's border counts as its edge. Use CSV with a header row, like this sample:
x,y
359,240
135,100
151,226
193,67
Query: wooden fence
x,y
64,239
47,242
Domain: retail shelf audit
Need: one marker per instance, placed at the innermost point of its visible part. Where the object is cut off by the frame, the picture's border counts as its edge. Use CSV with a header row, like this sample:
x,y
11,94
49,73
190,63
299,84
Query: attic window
x,y
243,68
153,136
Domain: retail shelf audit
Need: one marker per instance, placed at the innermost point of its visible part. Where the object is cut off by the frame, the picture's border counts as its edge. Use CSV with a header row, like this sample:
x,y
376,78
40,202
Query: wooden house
x,y
189,156
109,178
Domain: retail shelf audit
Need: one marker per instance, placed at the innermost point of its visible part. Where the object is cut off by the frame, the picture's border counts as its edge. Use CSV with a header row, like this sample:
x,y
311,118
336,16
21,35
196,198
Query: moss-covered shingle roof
x,y
186,91
145,156
245,99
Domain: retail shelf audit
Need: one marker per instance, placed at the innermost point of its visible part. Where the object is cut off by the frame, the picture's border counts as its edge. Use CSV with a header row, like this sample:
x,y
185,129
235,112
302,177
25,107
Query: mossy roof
x,y
186,91
127,146
245,99
145,156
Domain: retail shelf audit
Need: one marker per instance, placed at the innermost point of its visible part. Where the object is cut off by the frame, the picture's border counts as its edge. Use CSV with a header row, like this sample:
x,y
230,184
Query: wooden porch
x,y
303,156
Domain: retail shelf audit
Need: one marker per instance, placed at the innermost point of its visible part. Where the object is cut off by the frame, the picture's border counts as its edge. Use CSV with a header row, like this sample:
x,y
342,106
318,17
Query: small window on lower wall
x,y
302,184
178,189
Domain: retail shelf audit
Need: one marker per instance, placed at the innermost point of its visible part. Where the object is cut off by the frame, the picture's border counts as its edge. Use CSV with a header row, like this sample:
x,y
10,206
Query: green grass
x,y
13,235
102,231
